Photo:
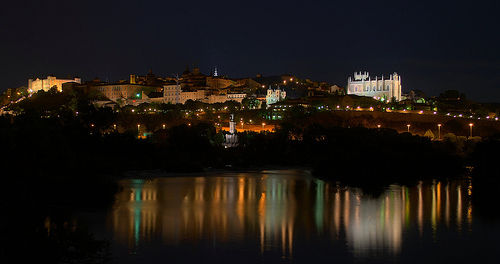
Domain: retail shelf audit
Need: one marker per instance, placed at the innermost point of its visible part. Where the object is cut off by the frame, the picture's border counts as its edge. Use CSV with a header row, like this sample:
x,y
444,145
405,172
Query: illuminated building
x,y
275,95
231,139
378,88
335,89
51,81
174,94
222,98
236,97
171,94
197,95
124,91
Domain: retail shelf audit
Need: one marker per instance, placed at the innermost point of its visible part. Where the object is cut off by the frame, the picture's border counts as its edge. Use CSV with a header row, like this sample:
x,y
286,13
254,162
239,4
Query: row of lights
x,y
347,107
479,118
439,129
138,126
198,110
264,124
420,112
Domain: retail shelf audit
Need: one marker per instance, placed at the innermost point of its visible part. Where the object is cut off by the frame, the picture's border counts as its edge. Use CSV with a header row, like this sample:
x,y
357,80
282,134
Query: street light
x,y
439,131
471,125
378,126
163,126
408,127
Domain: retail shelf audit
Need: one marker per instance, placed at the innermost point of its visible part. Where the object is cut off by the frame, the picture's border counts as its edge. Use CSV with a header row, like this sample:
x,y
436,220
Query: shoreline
x,y
210,172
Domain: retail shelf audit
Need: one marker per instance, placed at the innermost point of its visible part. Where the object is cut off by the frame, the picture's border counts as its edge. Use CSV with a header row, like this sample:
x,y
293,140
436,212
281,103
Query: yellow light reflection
x,y
272,209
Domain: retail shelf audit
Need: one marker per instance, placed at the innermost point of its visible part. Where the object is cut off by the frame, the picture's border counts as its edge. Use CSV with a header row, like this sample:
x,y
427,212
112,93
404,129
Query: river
x,y
292,217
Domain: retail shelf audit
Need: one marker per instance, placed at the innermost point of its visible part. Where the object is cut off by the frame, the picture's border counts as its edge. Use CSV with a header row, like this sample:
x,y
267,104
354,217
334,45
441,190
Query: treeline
x,y
356,156
56,133
50,148
486,177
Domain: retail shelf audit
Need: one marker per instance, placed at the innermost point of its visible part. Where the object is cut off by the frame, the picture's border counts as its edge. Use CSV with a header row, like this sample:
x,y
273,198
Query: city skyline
x,y
435,46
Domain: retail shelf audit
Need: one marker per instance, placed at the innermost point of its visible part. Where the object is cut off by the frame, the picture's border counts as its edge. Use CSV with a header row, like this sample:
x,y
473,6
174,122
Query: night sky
x,y
434,45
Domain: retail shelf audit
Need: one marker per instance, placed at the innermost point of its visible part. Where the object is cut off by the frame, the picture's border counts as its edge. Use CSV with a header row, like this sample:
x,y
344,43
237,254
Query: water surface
x,y
291,217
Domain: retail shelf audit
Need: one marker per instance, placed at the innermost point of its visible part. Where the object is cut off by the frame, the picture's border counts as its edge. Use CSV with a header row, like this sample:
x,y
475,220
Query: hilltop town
x,y
259,103
192,84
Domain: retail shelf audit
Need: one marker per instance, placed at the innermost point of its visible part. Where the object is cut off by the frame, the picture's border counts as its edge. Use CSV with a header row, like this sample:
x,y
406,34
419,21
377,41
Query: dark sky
x,y
435,45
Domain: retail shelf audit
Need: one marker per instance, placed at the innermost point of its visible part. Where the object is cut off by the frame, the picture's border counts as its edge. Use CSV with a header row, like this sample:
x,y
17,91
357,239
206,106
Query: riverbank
x,y
207,172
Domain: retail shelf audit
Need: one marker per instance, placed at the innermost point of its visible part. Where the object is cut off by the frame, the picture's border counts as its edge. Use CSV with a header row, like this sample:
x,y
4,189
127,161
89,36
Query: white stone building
x,y
173,94
198,95
51,81
378,87
275,95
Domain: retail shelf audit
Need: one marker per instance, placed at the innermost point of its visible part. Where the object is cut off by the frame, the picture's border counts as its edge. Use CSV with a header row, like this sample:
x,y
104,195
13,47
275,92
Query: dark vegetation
x,y
60,138
486,177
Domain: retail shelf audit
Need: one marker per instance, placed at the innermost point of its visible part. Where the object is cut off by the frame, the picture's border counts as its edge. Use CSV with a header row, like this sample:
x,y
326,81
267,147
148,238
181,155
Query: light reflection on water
x,y
274,209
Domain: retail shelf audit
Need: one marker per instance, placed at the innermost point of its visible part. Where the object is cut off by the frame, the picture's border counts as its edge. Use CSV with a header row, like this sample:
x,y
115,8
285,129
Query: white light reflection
x,y
271,210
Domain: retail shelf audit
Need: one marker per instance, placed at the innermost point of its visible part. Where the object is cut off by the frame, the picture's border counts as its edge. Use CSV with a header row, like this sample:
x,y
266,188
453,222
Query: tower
x,y
232,124
215,72
231,138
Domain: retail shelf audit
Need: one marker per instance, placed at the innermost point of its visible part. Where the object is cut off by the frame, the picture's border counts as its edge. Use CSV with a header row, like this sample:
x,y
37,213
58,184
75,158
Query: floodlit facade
x,y
379,88
198,95
115,92
51,81
222,98
231,139
171,94
275,95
